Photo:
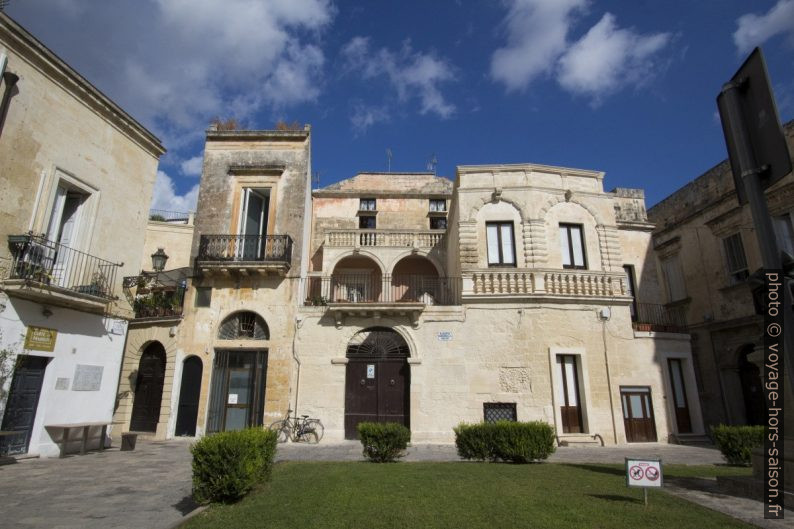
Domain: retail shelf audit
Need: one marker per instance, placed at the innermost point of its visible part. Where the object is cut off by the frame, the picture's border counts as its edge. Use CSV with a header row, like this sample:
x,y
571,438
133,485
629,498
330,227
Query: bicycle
x,y
298,430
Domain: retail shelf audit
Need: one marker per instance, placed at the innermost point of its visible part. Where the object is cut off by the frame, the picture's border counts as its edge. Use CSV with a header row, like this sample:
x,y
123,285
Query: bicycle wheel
x,y
308,436
317,427
282,430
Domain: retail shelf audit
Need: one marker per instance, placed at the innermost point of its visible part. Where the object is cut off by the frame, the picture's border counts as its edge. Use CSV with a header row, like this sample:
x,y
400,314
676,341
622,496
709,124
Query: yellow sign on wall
x,y
40,339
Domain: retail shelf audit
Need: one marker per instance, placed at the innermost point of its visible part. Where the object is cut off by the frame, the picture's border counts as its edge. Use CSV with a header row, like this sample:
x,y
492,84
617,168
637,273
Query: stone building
x,y
503,295
77,180
706,249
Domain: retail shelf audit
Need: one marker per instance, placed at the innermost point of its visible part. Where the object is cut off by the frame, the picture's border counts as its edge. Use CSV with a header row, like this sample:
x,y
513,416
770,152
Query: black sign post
x,y
759,157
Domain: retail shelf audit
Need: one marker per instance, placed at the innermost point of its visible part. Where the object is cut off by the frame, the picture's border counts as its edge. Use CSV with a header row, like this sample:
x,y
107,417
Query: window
x,y
438,205
631,288
499,411
501,250
784,232
438,223
203,296
366,204
734,255
572,246
674,278
366,222
244,326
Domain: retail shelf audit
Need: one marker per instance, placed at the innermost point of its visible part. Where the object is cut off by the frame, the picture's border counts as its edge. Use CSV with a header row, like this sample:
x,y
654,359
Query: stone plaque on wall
x,y
87,378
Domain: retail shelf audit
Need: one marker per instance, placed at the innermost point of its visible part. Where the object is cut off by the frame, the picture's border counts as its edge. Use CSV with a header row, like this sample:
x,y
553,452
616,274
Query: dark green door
x,y
23,399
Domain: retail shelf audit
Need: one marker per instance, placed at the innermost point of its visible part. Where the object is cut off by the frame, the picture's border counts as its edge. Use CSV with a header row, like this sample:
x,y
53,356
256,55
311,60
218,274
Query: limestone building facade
x,y
523,292
77,180
706,249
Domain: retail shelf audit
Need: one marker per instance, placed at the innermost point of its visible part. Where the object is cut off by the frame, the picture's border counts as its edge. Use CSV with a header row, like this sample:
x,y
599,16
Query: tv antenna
x,y
316,179
388,160
431,165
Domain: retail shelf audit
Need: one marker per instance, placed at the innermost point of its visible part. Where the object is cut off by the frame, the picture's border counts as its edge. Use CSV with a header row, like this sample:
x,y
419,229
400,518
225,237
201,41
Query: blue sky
x,y
624,87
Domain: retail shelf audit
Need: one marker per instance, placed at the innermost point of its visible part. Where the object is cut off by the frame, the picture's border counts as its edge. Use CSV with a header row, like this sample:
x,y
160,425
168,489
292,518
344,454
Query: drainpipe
x,y
297,361
609,381
10,80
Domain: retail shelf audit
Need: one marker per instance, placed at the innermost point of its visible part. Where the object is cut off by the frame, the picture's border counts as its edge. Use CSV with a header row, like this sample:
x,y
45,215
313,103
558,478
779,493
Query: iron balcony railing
x,y
366,288
659,318
160,304
174,217
38,260
243,248
156,294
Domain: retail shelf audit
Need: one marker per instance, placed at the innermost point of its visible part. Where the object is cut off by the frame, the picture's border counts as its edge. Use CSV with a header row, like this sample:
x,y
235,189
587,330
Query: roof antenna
x,y
388,159
316,179
431,165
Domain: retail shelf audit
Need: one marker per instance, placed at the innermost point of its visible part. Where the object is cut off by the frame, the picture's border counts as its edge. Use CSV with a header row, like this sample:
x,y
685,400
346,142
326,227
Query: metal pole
x,y
645,491
765,233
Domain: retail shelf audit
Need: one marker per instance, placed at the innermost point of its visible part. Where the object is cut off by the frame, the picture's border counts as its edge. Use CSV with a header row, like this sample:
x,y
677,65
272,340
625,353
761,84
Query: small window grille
x,y
438,223
499,411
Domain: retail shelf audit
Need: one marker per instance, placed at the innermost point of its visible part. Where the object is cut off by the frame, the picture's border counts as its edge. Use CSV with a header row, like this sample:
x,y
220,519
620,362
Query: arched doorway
x,y
752,390
149,389
189,391
378,379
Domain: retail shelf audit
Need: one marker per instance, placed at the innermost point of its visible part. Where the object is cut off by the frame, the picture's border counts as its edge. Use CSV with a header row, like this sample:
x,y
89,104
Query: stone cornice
x,y
258,135
529,167
21,42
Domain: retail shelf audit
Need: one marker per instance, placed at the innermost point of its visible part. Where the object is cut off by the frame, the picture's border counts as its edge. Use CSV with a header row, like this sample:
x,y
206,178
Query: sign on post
x,y
644,473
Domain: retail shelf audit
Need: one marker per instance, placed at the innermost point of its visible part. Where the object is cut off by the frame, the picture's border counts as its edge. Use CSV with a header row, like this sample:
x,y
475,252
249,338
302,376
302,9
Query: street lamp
x,y
158,260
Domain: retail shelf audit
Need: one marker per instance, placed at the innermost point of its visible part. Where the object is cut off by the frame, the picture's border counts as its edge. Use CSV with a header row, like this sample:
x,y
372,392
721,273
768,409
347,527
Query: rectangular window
x,y
674,278
501,247
366,222
572,246
437,205
499,411
366,204
631,289
438,223
734,255
203,296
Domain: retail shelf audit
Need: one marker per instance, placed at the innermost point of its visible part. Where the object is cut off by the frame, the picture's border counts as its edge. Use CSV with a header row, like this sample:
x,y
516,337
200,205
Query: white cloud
x,y
537,32
411,74
754,30
165,196
365,116
192,166
175,64
603,61
608,58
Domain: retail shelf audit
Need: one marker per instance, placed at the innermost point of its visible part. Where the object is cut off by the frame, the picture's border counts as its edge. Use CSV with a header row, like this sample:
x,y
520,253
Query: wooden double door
x,y
149,389
376,390
638,418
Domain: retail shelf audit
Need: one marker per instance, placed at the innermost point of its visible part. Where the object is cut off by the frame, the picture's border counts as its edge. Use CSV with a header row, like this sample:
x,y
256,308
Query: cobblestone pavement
x,y
150,487
145,488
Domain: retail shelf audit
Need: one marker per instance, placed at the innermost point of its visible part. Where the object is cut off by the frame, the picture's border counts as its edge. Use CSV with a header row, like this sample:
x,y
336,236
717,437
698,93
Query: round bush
x,y
516,442
383,442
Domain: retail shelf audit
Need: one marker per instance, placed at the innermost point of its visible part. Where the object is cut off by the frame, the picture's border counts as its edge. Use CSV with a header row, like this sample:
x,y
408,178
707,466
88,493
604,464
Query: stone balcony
x,y
567,286
244,254
358,238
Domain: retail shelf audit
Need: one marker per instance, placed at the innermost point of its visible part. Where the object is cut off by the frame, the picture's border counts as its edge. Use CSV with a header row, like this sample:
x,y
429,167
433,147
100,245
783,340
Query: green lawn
x,y
457,495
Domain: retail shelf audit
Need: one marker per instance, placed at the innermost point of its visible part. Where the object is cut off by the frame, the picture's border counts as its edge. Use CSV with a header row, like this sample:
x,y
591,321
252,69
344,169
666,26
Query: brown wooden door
x,y
189,391
638,418
680,403
149,389
22,403
376,391
570,402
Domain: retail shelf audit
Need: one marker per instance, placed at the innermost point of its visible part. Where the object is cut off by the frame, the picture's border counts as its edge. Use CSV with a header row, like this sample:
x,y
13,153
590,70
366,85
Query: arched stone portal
x,y
378,379
149,389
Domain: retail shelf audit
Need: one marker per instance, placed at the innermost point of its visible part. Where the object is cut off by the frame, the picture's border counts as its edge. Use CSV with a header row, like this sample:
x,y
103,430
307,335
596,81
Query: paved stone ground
x,y
145,488
150,487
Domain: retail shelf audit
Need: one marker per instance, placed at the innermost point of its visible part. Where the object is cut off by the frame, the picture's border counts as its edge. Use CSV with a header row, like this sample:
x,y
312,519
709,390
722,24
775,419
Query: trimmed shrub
x,y
227,465
737,442
516,442
383,441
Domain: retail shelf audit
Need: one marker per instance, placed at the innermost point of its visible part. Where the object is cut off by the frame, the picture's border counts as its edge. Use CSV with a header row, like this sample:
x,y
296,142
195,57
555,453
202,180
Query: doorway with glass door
x,y
62,236
237,393
253,224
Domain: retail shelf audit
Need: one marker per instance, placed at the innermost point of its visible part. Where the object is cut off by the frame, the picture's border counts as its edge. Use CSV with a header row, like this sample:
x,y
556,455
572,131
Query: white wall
x,y
83,339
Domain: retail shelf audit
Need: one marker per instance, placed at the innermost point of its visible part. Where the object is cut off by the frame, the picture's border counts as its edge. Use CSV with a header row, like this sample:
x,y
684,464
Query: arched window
x,y
378,342
244,326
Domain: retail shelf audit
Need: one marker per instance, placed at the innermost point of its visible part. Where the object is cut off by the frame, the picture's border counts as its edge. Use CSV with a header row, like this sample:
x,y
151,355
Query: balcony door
x,y
569,394
253,223
63,230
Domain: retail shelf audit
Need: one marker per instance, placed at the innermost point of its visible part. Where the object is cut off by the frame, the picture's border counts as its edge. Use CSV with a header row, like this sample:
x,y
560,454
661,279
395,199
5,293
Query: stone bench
x,y
86,427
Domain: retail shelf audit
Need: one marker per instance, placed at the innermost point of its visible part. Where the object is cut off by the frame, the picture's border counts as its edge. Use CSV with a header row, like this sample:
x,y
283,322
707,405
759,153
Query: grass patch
x,y
457,495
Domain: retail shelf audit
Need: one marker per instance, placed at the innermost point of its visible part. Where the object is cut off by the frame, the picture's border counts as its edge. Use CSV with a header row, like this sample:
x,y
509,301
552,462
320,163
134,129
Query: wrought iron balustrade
x,y
39,260
157,294
367,288
245,248
173,217
659,318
